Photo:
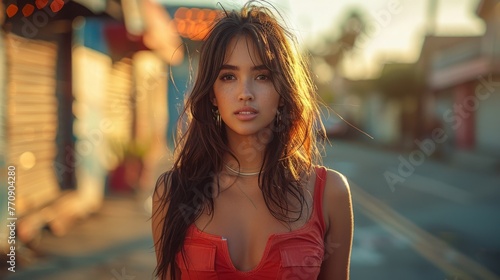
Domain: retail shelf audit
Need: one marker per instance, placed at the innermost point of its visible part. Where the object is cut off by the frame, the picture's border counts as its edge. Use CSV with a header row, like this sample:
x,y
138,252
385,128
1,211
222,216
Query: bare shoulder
x,y
162,185
339,221
159,208
160,198
336,183
336,197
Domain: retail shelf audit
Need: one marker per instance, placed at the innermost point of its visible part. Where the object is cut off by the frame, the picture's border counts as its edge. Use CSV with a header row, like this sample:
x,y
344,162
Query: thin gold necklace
x,y
242,174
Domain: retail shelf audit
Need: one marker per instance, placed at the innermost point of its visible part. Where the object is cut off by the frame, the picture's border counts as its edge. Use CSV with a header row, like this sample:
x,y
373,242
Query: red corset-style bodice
x,y
297,254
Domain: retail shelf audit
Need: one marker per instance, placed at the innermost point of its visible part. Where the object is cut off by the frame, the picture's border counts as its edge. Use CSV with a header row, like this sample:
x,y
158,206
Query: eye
x,y
227,77
263,77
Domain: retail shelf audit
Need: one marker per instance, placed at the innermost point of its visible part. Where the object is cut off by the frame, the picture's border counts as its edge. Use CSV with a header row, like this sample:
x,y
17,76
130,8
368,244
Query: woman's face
x,y
244,91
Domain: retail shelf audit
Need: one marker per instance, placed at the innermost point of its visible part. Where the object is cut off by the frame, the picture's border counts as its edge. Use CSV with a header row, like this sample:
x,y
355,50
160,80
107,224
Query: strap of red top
x,y
318,194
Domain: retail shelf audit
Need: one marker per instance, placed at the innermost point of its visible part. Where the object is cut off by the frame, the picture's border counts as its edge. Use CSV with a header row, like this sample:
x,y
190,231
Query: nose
x,y
246,92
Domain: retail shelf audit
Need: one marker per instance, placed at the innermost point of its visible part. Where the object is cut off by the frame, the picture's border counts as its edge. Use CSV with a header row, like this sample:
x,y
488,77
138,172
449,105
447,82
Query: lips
x,y
246,113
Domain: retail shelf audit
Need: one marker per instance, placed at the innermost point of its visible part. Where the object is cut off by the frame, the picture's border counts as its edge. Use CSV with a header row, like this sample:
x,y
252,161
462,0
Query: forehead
x,y
242,49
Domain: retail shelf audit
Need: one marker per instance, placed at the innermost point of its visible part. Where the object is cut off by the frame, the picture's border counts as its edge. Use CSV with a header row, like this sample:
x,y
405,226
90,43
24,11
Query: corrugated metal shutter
x,y
32,119
119,105
103,111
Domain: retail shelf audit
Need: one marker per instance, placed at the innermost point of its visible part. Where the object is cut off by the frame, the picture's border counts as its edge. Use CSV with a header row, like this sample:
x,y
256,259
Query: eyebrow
x,y
233,67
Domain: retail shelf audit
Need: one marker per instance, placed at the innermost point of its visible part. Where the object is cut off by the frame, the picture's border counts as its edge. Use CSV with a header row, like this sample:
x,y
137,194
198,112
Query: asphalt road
x,y
416,218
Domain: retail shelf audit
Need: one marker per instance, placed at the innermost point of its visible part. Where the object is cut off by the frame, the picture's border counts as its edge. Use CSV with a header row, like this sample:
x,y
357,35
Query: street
x,y
437,222
434,223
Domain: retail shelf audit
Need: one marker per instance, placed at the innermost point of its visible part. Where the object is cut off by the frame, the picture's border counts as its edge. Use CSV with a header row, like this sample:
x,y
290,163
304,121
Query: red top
x,y
291,255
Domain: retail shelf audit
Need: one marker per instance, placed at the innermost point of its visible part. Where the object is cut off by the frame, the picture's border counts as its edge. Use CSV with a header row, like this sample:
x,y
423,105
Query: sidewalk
x,y
115,243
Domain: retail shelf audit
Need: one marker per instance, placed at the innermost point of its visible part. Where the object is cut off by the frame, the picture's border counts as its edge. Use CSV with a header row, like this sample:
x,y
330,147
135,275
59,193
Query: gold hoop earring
x,y
277,121
217,119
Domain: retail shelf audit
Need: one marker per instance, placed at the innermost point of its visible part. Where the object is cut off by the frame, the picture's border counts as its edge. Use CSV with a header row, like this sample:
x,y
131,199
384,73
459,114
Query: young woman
x,y
245,198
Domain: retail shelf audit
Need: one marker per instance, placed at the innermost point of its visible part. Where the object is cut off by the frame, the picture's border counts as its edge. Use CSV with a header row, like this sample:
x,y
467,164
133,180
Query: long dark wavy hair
x,y
191,185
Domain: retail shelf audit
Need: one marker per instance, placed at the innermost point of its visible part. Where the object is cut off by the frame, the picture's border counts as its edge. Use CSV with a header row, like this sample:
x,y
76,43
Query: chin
x,y
261,132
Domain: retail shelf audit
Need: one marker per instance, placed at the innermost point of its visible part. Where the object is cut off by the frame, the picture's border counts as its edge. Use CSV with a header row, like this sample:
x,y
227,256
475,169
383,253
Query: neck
x,y
249,152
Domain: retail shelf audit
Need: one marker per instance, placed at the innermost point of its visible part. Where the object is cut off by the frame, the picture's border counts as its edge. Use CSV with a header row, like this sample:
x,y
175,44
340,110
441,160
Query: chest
x,y
245,223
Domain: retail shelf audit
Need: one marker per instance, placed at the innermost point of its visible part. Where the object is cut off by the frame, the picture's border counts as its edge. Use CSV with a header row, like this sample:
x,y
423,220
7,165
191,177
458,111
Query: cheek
x,y
222,91
217,96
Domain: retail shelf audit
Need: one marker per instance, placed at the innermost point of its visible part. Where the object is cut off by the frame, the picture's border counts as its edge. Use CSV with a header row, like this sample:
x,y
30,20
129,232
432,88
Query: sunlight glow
x,y
391,36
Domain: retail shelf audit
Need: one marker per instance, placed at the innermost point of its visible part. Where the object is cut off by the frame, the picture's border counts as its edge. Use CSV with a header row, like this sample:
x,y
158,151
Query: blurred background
x,y
90,92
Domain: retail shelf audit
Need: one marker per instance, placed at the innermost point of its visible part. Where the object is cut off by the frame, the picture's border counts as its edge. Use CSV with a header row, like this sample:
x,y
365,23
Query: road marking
x,y
435,250
437,188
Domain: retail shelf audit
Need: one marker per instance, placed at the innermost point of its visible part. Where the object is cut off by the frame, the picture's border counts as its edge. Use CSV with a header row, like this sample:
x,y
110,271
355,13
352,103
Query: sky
x,y
396,28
